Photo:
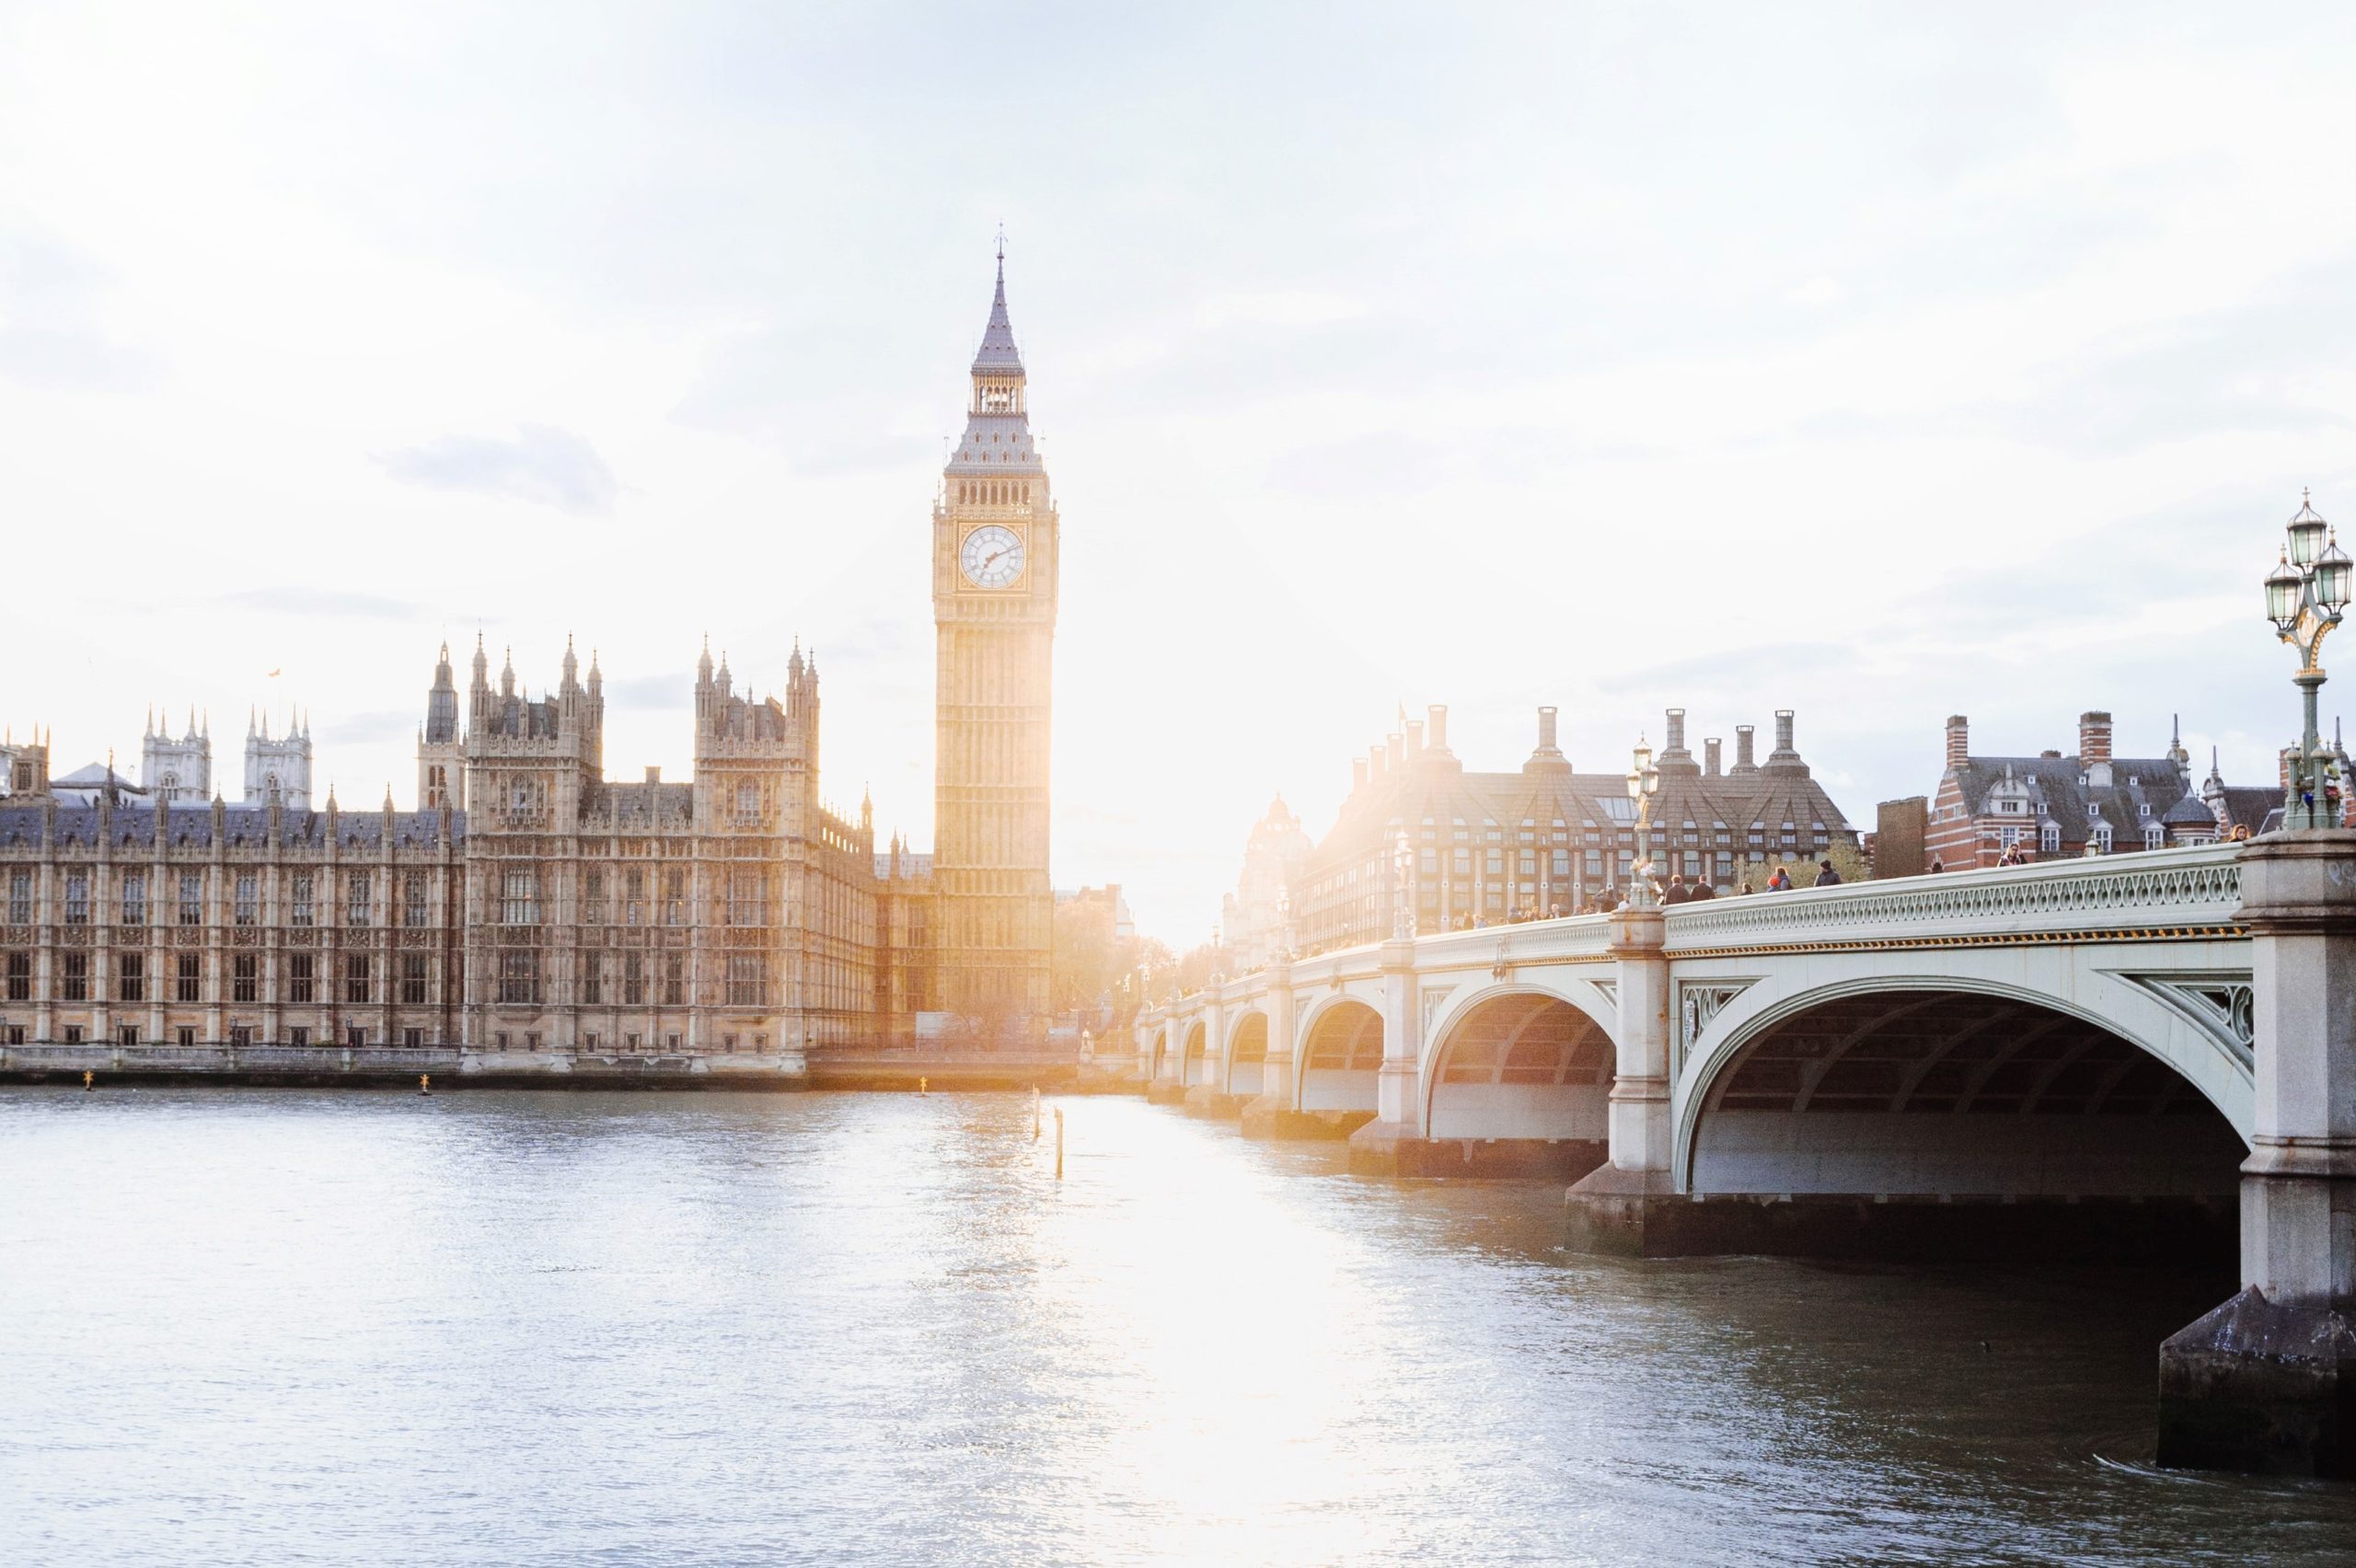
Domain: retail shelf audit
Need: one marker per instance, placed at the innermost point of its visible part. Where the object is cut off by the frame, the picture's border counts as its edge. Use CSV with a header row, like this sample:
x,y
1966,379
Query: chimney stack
x,y
1438,711
1959,739
1396,745
2094,738
1414,736
1784,730
1357,774
1710,757
1674,737
1546,730
1743,762
1375,761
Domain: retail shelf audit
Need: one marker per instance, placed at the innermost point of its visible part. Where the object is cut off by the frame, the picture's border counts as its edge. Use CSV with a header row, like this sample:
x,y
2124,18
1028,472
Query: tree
x,y
1085,956
1847,858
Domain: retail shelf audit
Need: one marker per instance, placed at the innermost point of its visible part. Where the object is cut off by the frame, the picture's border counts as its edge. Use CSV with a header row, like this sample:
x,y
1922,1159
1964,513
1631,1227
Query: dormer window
x,y
2142,808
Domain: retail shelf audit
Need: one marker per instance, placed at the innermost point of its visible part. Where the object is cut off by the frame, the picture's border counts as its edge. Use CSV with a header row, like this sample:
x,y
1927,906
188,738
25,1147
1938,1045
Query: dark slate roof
x,y
190,827
2252,805
649,805
2058,791
2190,812
1547,791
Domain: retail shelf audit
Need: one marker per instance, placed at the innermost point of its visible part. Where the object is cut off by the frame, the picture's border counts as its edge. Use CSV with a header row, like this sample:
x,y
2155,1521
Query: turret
x,y
479,688
177,769
441,749
280,767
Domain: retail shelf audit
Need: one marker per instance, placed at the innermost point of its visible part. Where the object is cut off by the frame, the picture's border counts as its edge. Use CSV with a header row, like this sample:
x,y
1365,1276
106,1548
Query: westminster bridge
x,y
2110,1056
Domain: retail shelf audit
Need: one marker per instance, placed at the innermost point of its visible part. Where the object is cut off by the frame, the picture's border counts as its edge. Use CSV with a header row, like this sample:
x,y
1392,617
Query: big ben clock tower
x,y
994,556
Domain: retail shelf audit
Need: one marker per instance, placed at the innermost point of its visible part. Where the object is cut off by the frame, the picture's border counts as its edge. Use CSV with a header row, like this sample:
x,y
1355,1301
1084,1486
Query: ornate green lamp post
x,y
1644,783
2305,595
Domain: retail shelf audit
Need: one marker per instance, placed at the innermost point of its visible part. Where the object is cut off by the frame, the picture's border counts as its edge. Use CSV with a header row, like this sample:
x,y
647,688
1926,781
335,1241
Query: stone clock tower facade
x,y
995,549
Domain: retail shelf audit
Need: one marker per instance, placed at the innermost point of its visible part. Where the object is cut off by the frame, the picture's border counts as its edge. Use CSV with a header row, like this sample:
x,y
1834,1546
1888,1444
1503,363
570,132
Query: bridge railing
x,y
1572,940
2196,890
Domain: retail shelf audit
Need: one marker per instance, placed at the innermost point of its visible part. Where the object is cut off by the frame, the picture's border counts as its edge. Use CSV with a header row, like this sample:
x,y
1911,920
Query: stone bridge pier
x,y
2267,1381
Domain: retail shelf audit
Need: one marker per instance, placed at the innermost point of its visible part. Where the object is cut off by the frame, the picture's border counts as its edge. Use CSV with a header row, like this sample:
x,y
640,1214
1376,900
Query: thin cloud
x,y
289,599
542,465
52,335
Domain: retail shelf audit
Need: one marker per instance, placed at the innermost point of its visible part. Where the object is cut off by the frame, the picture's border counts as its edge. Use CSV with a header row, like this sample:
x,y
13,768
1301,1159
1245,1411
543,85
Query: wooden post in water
x,y
89,1080
1059,1143
921,1083
1034,1112
425,1083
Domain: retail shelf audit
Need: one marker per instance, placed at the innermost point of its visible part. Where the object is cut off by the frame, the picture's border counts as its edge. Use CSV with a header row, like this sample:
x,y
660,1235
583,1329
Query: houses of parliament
x,y
529,902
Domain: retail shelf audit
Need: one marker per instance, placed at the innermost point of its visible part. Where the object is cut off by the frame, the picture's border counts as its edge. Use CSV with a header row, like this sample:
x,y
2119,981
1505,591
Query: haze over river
x,y
286,1327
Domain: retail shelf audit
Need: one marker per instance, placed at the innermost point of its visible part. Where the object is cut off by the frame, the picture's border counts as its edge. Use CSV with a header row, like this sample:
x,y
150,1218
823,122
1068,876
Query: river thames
x,y
288,1327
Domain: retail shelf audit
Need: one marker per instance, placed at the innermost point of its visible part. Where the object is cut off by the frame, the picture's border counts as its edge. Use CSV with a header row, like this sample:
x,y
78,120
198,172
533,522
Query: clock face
x,y
991,557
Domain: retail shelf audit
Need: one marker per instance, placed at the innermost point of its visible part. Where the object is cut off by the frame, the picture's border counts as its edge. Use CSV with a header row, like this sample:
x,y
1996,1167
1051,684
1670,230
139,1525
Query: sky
x,y
1878,362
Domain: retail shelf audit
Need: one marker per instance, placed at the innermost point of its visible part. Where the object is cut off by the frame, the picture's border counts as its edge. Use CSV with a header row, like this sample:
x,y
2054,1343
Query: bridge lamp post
x,y
1644,783
1403,888
2305,595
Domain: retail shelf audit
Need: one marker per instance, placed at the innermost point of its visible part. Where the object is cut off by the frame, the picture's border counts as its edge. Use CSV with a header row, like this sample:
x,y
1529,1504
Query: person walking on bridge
x,y
1826,876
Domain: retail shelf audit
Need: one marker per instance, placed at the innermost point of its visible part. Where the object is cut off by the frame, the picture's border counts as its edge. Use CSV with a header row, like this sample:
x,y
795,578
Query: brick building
x,y
2050,805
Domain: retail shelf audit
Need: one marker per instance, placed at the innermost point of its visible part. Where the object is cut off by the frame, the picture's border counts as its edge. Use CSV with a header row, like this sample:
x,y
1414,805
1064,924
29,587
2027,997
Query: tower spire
x,y
998,355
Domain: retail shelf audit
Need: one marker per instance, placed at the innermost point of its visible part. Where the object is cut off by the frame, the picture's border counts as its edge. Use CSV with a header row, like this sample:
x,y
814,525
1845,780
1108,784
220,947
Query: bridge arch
x,y
1193,1068
1160,1052
1247,1054
1959,1086
1519,1062
1340,1055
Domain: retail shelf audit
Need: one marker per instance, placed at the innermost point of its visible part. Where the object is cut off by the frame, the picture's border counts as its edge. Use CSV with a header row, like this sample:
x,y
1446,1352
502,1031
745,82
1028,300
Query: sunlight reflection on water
x,y
654,1328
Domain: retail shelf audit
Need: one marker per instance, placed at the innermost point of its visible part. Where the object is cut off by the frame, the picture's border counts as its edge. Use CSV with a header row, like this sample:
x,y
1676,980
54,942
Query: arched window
x,y
2049,837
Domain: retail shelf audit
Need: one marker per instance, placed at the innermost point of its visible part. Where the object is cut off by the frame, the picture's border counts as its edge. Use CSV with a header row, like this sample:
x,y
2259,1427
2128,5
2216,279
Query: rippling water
x,y
562,1328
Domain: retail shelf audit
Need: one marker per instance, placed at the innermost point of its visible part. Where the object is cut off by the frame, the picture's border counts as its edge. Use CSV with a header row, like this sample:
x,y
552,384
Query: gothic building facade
x,y
734,913
529,904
